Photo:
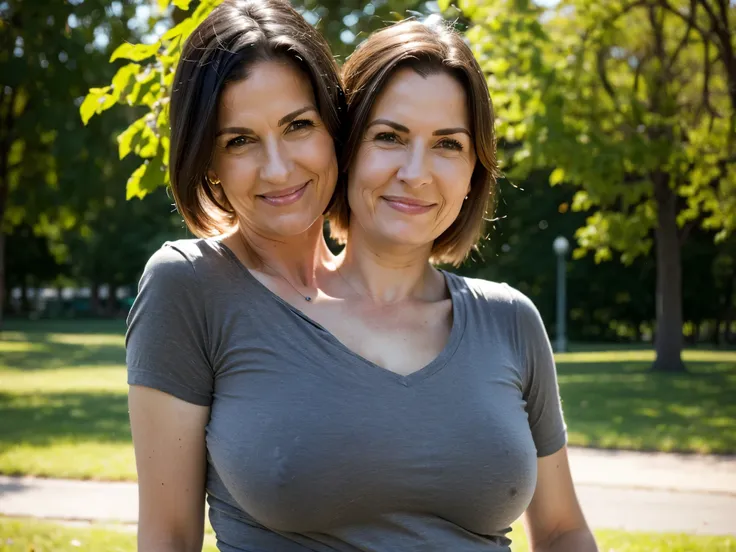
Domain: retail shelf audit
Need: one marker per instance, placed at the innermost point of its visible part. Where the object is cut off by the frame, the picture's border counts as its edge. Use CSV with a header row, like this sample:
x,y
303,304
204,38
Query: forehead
x,y
437,99
275,86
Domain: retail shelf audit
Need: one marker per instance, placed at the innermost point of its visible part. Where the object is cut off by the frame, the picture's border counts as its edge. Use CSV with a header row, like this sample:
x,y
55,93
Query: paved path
x,y
618,490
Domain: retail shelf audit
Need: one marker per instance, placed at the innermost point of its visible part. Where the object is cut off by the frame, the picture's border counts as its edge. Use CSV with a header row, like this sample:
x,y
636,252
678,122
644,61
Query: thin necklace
x,y
307,298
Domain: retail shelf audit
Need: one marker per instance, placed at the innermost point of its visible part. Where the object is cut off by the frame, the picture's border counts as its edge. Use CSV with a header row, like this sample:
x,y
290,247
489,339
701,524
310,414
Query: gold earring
x,y
215,182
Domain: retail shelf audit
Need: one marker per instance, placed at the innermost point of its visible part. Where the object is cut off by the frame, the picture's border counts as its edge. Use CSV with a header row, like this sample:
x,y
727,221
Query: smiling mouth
x,y
407,205
287,196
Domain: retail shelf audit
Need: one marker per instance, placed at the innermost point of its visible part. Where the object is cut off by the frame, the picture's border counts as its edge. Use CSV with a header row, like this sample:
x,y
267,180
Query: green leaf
x,y
182,4
144,83
443,4
133,187
125,138
124,79
557,176
135,52
92,103
163,4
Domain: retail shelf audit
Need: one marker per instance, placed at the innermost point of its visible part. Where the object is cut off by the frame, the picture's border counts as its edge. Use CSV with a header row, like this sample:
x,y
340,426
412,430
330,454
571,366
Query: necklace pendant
x,y
307,299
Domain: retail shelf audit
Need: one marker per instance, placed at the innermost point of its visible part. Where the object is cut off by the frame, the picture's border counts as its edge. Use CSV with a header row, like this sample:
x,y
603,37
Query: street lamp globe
x,y
561,245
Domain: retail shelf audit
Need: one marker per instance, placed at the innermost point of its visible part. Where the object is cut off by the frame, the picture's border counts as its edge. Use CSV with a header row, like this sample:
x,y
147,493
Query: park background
x,y
616,125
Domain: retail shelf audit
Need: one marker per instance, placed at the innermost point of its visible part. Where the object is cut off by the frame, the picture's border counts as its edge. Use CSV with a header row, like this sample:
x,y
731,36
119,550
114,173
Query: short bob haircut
x,y
427,48
233,37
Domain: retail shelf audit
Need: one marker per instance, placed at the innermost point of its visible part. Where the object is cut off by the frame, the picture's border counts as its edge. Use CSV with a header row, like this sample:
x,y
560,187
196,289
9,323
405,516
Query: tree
x,y
52,170
632,102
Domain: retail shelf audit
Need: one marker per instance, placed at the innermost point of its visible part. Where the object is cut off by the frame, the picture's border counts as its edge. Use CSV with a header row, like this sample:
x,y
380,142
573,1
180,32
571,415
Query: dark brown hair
x,y
234,36
428,49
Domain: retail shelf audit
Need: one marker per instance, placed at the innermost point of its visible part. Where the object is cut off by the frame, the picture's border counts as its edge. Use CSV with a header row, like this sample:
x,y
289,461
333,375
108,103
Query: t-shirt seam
x,y
559,437
161,377
523,362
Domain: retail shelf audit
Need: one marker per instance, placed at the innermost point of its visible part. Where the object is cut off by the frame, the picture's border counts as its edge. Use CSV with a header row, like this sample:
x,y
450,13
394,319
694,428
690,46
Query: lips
x,y
408,205
286,196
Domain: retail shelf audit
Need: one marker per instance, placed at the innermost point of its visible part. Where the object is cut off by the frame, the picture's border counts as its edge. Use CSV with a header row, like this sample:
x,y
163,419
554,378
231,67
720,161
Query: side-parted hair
x,y
427,49
221,50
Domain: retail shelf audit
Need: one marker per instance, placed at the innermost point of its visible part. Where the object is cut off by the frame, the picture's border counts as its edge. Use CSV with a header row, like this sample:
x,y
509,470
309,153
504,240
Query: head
x,y
255,108
419,163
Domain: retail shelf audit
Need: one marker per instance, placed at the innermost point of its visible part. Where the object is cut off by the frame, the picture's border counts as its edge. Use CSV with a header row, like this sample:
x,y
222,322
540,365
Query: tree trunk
x,y
94,299
668,342
2,274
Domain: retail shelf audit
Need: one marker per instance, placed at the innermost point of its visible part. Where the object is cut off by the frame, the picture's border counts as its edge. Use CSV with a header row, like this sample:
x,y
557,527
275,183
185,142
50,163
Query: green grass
x,y
64,410
23,535
26,535
611,400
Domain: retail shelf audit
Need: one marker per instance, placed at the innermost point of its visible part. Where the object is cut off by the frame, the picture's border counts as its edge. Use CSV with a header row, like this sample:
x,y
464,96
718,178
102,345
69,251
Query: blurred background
x,y
616,126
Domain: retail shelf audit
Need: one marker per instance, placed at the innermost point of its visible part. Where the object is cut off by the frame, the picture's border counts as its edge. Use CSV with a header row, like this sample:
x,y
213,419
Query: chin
x,y
405,237
291,225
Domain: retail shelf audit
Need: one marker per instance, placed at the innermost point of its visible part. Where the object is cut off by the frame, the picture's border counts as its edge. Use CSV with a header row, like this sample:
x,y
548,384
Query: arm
x,y
169,441
554,521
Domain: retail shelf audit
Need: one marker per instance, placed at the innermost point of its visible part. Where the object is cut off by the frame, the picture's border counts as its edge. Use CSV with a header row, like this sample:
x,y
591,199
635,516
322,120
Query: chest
x,y
307,438
400,338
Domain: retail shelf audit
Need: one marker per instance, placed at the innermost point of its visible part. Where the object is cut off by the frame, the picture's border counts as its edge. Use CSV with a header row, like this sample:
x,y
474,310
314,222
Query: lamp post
x,y
561,246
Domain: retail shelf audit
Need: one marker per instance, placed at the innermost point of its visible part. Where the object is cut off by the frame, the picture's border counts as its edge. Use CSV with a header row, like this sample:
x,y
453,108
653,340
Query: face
x,y
413,168
274,157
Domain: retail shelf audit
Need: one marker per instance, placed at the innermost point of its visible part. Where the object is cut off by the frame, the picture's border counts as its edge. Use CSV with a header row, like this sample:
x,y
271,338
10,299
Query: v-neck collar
x,y
440,361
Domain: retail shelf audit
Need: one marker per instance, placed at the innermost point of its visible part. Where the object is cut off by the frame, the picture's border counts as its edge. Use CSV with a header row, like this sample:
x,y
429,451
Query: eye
x,y
388,137
238,142
451,144
300,124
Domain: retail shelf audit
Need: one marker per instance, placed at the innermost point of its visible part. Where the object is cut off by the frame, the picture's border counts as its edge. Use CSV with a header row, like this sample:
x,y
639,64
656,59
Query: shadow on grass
x,y
90,326
44,354
623,405
42,419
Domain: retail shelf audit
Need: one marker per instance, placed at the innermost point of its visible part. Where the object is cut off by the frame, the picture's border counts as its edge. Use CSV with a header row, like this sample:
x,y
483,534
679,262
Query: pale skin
x,y
275,161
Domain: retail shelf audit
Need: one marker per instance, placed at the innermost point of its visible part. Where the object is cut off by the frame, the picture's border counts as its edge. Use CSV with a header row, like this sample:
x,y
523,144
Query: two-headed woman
x,y
364,402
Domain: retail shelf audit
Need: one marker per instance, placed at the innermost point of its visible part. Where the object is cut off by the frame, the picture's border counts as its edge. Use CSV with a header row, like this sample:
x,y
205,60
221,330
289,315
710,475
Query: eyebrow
x,y
284,120
402,128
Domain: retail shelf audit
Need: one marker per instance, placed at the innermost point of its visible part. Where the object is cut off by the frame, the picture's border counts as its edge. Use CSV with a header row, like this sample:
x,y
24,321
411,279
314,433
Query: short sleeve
x,y
541,390
166,343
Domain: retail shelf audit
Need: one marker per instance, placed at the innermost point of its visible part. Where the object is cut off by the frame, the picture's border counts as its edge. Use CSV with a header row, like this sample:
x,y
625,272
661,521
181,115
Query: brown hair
x,y
428,49
234,36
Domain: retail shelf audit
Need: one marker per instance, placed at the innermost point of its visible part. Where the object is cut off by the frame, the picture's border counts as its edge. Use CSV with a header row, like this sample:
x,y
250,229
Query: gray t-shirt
x,y
311,447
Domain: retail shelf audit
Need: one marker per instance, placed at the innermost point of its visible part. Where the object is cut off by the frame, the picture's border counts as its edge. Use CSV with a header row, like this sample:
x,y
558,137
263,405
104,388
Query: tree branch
x,y
706,85
715,24
685,38
689,19
601,56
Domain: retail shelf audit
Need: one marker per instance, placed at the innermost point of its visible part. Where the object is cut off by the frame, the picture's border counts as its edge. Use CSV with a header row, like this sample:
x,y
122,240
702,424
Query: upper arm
x,y
541,391
171,386
169,442
554,509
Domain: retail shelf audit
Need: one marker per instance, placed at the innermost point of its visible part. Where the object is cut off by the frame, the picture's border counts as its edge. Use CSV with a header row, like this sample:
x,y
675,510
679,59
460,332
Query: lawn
x,y
22,535
64,411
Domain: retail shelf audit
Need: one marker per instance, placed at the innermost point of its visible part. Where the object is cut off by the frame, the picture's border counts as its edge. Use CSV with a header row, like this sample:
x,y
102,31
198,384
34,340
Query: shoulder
x,y
181,261
489,292
499,298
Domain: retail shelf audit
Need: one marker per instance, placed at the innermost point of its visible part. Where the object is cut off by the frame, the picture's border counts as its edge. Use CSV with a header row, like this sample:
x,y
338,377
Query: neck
x,y
297,258
387,273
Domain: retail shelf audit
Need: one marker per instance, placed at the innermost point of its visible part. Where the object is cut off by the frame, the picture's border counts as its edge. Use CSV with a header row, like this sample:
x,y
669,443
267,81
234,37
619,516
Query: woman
x,y
470,435
254,110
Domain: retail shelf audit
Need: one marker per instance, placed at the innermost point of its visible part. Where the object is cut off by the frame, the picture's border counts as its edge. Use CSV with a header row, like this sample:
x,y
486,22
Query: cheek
x,y
454,175
318,153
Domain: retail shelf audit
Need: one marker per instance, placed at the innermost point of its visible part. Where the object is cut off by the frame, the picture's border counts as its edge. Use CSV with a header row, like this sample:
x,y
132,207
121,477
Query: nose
x,y
277,165
414,172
